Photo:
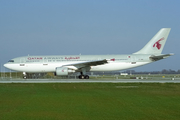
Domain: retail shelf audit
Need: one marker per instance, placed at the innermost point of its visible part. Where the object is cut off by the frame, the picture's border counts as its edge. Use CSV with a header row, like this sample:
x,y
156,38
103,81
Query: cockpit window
x,y
11,61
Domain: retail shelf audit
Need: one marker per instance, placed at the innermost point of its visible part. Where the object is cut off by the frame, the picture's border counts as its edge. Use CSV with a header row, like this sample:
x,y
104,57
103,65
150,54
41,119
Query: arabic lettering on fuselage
x,y
72,58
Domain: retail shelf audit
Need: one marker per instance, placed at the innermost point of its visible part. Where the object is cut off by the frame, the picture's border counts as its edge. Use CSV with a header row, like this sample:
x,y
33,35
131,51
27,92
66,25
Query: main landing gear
x,y
83,76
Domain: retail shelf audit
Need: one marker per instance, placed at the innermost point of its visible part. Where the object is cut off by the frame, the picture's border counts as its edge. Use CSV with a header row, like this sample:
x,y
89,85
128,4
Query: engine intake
x,y
63,71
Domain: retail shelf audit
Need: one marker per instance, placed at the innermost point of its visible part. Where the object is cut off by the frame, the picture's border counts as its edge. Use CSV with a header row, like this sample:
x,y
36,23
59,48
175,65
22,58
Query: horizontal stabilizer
x,y
159,57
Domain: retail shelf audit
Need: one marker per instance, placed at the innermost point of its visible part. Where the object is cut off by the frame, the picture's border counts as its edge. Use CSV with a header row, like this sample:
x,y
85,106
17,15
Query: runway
x,y
87,81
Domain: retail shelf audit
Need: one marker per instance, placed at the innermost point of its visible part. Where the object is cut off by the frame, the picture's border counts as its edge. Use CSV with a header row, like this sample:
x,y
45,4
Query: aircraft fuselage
x,y
50,63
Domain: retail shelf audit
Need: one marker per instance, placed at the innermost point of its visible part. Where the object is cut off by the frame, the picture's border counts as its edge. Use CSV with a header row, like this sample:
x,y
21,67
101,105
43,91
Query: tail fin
x,y
156,44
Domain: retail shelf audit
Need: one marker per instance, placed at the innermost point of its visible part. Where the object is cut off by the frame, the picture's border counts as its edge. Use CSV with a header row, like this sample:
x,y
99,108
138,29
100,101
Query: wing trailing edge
x,y
88,63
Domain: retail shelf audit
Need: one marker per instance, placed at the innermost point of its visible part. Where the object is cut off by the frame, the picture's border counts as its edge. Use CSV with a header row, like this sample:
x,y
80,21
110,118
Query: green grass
x,y
89,101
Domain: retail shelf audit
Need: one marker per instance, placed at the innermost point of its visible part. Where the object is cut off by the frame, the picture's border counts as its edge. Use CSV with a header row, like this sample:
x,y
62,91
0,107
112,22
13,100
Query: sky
x,y
88,27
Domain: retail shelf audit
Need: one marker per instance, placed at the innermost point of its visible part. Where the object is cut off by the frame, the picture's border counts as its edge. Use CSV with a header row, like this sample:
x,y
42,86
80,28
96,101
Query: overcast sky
x,y
71,27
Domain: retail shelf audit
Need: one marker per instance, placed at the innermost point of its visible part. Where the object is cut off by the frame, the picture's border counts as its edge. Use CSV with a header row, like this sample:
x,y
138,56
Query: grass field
x,y
90,101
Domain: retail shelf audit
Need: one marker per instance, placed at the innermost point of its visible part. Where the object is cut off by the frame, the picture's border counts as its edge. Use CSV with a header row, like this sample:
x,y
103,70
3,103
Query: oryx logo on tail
x,y
157,44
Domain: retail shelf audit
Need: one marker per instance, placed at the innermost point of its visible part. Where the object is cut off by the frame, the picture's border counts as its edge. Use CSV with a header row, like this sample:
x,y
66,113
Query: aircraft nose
x,y
6,65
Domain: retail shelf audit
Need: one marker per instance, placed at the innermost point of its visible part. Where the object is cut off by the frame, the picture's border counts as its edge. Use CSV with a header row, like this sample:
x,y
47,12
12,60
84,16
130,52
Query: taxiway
x,y
87,81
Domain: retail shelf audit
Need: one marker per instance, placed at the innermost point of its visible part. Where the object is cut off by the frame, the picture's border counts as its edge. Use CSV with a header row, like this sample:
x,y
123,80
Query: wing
x,y
88,63
159,57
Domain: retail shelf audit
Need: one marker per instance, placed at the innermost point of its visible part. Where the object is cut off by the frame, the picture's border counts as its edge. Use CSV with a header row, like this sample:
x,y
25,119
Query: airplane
x,y
63,65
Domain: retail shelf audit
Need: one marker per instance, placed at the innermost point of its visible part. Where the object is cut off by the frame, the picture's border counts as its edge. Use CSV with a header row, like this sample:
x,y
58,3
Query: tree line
x,y
164,71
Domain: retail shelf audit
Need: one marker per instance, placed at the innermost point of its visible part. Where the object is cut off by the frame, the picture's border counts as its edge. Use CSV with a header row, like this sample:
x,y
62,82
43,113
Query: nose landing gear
x,y
24,75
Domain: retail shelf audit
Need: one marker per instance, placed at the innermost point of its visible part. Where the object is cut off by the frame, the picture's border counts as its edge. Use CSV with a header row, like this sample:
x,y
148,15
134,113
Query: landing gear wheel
x,y
86,77
81,76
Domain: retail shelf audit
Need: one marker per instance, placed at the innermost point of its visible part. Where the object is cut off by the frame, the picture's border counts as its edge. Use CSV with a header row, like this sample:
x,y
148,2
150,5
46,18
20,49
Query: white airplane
x,y
64,65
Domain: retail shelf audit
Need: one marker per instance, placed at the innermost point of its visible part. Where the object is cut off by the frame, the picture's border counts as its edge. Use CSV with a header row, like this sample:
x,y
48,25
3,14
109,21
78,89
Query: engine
x,y
63,71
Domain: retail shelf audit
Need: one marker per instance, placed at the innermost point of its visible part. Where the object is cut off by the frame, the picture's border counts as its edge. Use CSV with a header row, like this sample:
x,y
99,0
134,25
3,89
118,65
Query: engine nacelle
x,y
63,71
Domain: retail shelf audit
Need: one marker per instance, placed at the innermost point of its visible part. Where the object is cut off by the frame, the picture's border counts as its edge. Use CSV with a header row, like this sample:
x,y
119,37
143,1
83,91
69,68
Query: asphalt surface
x,y
87,81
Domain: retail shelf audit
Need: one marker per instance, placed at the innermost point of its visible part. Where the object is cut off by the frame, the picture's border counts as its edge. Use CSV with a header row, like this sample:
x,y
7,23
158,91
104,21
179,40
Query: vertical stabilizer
x,y
156,44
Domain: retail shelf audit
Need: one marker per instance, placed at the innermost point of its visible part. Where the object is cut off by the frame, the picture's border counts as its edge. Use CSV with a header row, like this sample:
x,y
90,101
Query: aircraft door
x,y
133,60
22,62
45,64
45,61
